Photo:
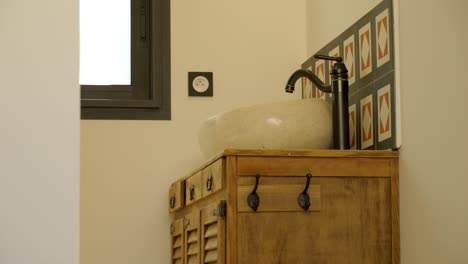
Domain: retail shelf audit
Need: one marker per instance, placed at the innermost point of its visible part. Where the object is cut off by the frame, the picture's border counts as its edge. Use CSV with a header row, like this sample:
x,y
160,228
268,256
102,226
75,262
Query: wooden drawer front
x,y
193,190
323,167
213,235
176,196
177,242
277,194
213,178
192,238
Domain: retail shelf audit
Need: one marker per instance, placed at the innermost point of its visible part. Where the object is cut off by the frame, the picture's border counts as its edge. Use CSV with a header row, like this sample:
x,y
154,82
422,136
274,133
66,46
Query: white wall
x,y
434,160
127,166
39,132
433,164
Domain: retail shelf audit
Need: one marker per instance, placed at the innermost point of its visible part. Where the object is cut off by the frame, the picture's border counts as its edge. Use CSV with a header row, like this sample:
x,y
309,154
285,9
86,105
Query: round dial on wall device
x,y
200,83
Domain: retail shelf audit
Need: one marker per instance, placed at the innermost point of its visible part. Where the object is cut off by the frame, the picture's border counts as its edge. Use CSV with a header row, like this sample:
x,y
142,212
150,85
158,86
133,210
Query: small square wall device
x,y
200,83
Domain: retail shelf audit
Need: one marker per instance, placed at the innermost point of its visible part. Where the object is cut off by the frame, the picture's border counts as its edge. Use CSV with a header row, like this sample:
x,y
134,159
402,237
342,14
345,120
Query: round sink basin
x,y
295,124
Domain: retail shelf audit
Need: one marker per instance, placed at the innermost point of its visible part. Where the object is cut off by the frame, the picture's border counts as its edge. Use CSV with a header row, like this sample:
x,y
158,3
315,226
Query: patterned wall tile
x,y
371,75
320,72
307,88
384,113
382,38
349,58
353,126
365,50
367,122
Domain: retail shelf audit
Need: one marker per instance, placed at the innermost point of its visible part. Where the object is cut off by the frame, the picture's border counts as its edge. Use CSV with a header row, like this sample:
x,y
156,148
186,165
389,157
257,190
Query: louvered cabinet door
x,y
177,242
213,234
192,238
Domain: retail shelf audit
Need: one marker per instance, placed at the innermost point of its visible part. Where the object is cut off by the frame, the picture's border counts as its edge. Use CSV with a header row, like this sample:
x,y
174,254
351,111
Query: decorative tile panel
x,y
367,122
306,89
349,59
320,72
365,50
382,38
385,113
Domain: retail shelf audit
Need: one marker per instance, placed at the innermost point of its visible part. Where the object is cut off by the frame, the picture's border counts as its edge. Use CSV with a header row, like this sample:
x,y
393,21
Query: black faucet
x,y
339,91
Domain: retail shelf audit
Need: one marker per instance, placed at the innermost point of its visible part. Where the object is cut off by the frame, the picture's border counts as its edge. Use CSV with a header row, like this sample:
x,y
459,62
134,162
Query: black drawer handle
x,y
303,199
253,200
172,201
192,192
209,183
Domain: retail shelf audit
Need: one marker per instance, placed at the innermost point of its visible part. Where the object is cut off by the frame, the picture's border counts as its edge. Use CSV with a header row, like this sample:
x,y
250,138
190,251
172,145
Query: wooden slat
x,y
231,218
211,243
177,242
192,237
211,257
318,167
177,261
193,260
192,249
177,253
211,230
312,153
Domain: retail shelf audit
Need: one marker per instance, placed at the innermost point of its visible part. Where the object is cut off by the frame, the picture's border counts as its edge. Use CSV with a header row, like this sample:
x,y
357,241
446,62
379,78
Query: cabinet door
x,y
192,238
213,234
177,242
353,224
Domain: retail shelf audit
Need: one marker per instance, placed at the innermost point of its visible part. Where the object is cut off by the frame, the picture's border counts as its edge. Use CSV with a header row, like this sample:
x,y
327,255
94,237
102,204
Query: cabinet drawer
x,y
176,196
213,178
193,190
278,194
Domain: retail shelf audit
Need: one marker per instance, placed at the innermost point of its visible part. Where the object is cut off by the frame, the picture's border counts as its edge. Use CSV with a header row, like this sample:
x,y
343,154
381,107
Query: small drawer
x,y
176,196
193,189
278,194
213,178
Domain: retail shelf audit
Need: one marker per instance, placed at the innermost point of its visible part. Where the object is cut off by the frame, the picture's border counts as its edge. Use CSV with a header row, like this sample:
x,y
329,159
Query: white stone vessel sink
x,y
296,124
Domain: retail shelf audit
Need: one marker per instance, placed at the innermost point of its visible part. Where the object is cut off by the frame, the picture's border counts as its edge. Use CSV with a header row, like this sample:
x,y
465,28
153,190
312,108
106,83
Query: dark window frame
x,y
149,95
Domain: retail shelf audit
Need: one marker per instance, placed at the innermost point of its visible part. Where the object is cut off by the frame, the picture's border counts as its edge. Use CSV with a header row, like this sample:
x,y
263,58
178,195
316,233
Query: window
x,y
125,59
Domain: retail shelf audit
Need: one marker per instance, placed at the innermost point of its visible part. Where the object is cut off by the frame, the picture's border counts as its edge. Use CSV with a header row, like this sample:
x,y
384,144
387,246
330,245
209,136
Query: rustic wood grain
x,y
231,217
354,226
395,213
318,167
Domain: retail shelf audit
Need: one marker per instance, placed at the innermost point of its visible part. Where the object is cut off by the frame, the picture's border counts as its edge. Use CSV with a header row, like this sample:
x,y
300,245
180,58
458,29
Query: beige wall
x,y
39,132
327,19
434,164
252,47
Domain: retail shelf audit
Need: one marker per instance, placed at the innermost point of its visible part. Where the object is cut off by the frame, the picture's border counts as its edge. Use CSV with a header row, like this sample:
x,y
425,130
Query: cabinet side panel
x,y
231,214
395,213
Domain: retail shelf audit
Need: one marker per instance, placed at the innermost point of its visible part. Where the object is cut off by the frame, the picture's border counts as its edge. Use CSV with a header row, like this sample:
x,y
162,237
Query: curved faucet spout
x,y
309,75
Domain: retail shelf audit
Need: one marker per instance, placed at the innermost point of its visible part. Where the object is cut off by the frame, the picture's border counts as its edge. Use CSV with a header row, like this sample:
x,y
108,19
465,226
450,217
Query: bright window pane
x,y
105,49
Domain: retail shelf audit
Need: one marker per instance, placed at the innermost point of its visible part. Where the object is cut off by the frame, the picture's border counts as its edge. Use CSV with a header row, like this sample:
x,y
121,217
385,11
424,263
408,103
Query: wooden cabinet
x,y
351,214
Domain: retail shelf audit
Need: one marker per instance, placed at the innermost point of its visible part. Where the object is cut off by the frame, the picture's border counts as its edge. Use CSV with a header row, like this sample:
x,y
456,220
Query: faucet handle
x,y
324,57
